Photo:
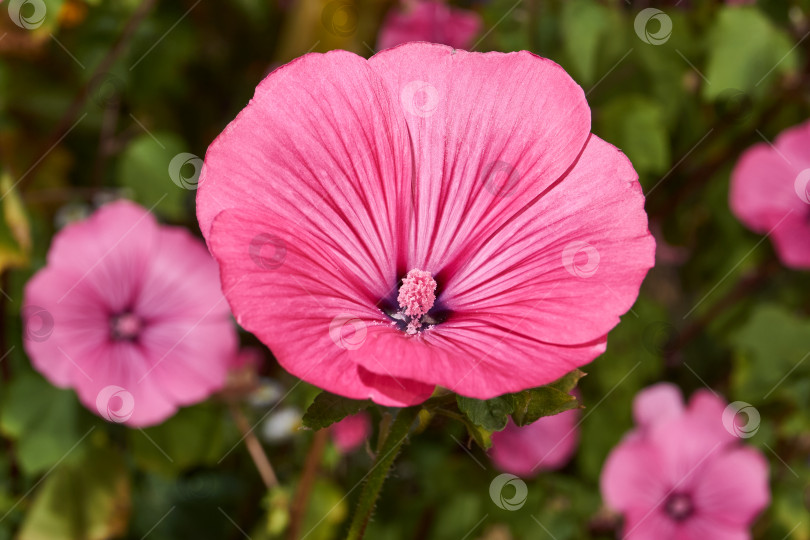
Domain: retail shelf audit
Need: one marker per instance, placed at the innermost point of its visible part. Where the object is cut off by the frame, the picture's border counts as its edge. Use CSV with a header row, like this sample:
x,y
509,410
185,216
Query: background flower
x,y
770,193
136,319
546,444
429,20
682,474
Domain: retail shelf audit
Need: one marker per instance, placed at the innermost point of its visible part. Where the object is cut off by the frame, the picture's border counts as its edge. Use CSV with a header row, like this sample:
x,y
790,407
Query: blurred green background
x,y
97,100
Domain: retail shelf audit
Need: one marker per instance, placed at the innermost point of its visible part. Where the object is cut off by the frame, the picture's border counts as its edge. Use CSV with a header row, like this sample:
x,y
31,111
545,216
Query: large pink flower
x,y
426,217
429,20
770,193
131,315
546,444
681,475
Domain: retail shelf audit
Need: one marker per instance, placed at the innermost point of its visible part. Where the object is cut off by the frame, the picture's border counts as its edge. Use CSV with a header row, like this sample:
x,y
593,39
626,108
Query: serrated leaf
x,y
329,408
531,405
568,382
490,414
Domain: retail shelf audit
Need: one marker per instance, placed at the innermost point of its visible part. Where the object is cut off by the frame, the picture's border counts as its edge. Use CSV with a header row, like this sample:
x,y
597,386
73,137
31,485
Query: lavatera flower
x,y
425,217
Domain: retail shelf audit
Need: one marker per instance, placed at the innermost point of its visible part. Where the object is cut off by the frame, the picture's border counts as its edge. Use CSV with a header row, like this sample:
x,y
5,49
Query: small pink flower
x,y
429,20
770,193
544,445
426,217
131,315
681,475
351,432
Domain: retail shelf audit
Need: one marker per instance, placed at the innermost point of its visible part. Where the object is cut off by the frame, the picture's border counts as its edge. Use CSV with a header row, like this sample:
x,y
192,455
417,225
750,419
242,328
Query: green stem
x,y
397,434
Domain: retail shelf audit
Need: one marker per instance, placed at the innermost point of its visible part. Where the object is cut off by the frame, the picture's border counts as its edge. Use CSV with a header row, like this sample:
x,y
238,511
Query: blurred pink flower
x,y
546,444
681,475
131,315
351,432
385,231
429,20
770,193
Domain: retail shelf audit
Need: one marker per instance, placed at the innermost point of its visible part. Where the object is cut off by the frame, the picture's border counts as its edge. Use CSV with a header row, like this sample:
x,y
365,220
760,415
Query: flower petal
x,y
657,403
489,131
310,313
734,489
631,479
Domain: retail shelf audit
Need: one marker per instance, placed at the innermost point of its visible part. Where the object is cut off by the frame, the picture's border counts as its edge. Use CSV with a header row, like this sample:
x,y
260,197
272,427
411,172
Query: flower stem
x,y
375,478
254,447
301,501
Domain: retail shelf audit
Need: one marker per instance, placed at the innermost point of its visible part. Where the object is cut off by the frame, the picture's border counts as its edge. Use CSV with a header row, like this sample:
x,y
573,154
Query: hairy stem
x,y
375,478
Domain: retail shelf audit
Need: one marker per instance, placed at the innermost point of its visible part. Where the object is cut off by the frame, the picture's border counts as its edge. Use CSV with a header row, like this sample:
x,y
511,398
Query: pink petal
x,y
651,524
429,20
631,479
699,527
767,195
518,305
734,488
474,119
308,313
657,403
546,444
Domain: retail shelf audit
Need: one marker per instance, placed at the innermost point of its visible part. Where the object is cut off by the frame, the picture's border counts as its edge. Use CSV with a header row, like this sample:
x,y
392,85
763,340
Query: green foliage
x,y
194,437
746,52
88,498
637,126
328,408
773,353
144,169
42,420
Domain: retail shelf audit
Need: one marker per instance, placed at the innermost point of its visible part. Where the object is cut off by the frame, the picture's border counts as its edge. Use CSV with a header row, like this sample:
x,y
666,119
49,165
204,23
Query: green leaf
x,y
144,168
637,126
42,419
583,25
568,382
194,436
329,408
481,436
772,353
88,499
531,405
490,414
745,50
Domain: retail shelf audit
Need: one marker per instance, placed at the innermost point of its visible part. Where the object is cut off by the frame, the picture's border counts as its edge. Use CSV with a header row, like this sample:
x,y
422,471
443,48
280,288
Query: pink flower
x,y
351,432
345,181
544,445
131,315
770,193
681,475
429,20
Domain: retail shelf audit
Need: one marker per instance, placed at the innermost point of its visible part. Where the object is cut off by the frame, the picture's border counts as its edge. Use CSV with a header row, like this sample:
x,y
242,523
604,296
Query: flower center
x,y
679,506
416,296
125,326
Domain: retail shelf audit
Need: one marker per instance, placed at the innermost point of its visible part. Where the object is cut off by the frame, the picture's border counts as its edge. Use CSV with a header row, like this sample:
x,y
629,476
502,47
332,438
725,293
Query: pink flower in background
x,y
131,315
351,432
681,475
770,193
546,444
389,229
429,20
